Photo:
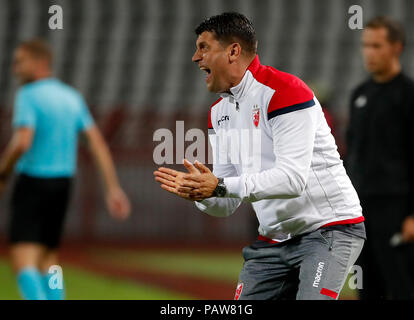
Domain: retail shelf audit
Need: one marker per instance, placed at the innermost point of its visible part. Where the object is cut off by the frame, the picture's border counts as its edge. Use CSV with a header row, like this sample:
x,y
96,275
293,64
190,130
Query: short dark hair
x,y
38,48
394,29
231,27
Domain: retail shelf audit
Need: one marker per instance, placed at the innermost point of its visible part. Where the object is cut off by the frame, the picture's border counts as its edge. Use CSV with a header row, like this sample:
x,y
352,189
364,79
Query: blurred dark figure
x,y
380,161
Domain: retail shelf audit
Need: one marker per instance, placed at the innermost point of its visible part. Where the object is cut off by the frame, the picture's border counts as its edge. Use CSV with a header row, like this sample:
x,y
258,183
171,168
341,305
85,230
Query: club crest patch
x,y
238,291
256,115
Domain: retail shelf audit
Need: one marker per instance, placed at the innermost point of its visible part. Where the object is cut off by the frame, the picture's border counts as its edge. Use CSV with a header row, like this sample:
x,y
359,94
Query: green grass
x,y
218,266
347,293
82,285
8,288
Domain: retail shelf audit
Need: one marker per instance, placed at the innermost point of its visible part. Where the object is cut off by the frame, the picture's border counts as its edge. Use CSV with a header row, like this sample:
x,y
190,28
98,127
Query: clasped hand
x,y
198,184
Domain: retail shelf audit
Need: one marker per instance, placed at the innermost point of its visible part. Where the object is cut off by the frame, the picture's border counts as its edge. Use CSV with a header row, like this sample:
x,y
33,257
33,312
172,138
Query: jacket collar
x,y
239,91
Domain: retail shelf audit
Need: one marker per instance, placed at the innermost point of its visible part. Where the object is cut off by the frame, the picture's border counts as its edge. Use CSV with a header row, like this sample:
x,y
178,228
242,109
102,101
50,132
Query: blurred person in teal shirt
x,y
48,117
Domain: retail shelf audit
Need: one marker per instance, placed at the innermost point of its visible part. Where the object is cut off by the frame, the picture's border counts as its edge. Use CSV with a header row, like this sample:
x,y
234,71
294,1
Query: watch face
x,y
221,191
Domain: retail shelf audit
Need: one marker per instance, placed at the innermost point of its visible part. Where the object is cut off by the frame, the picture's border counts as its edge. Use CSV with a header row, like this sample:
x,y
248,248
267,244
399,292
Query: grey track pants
x,y
311,267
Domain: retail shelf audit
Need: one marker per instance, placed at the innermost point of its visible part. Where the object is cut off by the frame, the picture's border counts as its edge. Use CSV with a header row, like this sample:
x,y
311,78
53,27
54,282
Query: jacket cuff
x,y
233,186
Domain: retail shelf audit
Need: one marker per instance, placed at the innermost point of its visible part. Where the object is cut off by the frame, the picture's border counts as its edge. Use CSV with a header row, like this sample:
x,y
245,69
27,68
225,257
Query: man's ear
x,y
234,52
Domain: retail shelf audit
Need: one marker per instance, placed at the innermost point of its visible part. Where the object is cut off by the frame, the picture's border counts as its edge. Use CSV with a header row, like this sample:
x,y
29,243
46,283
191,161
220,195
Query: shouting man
x,y
311,225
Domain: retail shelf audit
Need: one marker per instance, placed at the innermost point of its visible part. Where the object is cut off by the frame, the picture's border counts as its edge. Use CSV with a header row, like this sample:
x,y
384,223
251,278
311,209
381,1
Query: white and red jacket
x,y
273,147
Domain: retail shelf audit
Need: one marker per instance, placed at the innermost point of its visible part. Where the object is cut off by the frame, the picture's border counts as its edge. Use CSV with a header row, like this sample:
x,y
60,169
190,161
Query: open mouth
x,y
207,70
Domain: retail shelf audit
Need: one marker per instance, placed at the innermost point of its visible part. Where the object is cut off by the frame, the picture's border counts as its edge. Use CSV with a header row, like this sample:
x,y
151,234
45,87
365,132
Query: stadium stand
x,y
132,61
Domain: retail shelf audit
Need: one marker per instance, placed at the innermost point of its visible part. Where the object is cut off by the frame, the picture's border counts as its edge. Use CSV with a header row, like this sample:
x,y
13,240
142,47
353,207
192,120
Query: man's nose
x,y
196,57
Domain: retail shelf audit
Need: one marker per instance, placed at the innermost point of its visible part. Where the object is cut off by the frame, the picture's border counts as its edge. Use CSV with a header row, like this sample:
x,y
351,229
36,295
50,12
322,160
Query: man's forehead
x,y
379,33
206,36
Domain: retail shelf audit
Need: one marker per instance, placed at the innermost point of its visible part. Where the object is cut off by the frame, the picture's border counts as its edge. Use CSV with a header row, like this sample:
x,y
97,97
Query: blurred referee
x,y
48,115
380,163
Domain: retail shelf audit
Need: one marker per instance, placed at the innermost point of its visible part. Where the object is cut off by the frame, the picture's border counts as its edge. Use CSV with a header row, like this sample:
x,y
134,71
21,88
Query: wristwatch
x,y
221,189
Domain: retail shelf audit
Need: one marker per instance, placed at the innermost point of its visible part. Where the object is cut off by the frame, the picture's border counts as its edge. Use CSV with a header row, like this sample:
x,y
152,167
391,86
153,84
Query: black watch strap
x,y
221,189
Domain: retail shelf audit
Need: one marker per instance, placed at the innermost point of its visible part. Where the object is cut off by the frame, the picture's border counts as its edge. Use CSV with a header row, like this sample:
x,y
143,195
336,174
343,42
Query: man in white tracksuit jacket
x,y
272,147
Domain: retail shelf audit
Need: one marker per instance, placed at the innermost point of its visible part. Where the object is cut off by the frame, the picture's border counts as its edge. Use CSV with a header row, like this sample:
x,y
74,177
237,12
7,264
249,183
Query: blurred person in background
x,y
380,162
48,116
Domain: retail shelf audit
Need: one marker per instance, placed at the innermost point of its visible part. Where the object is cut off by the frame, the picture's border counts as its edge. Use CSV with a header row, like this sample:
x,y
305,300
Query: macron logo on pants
x,y
318,274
